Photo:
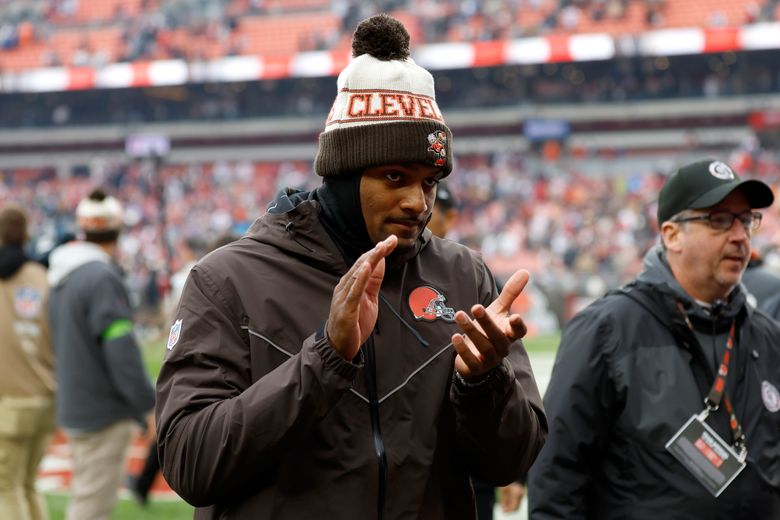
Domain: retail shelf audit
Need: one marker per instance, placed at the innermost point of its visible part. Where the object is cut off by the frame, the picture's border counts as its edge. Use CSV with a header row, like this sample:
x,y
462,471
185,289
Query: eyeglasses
x,y
723,220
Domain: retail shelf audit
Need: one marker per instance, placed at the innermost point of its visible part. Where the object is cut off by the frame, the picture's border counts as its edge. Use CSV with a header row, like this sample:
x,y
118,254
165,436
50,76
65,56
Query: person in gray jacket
x,y
663,401
338,361
103,387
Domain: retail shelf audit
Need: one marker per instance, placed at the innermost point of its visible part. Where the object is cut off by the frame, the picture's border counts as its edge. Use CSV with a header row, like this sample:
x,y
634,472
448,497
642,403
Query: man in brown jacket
x,y
26,371
338,361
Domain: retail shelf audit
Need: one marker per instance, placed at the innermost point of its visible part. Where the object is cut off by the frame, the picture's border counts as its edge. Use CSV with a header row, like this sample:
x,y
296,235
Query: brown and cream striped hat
x,y
385,110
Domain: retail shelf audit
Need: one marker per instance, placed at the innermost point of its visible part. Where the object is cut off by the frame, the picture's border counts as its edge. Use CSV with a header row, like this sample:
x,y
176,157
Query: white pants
x,y
98,466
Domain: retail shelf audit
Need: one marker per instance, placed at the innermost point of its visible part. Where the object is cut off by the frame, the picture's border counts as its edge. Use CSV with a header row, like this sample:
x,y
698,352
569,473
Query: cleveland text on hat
x,y
368,107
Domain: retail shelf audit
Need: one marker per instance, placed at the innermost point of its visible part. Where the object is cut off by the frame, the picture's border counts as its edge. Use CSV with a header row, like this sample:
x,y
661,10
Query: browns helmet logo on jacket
x,y
428,304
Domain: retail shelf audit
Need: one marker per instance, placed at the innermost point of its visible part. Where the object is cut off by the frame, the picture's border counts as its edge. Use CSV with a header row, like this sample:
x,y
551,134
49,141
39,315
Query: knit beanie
x,y
99,216
385,110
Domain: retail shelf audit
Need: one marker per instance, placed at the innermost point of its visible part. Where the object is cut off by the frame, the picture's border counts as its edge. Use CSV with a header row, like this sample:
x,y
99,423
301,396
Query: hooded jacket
x,y
259,417
101,381
629,373
27,367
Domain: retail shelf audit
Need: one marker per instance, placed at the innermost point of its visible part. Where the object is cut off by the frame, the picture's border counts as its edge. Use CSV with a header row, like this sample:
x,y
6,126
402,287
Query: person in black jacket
x,y
762,285
677,351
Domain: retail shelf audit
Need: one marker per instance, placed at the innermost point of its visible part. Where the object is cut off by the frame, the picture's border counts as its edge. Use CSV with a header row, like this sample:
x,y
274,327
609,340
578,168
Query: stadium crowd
x,y
78,33
578,231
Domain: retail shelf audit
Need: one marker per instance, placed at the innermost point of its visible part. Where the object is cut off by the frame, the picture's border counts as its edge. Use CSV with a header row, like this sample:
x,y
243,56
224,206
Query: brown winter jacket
x,y
259,418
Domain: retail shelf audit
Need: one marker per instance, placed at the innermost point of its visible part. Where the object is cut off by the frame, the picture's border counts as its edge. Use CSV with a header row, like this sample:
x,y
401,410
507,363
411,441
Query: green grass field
x,y
127,509
542,344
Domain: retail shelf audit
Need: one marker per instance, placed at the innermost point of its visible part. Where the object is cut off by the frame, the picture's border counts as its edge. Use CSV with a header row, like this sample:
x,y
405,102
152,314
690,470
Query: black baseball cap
x,y
704,183
445,197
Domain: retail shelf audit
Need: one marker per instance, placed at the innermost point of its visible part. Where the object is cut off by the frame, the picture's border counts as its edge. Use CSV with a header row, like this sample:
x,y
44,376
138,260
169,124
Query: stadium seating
x,y
276,27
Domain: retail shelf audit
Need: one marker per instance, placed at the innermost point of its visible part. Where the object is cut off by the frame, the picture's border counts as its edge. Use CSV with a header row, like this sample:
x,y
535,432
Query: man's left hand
x,y
486,339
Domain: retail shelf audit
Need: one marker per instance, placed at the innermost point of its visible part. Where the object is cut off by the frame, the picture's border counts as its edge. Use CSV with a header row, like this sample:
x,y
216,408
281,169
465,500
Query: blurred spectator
x,y
772,306
103,386
222,240
762,285
26,372
445,211
188,252
9,37
192,249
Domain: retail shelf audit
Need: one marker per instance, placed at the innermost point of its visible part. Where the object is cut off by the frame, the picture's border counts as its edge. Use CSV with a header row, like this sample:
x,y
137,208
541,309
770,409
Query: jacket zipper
x,y
379,444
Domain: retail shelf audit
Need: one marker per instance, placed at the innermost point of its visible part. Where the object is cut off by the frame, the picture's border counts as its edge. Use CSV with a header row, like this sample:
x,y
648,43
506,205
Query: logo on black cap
x,y
721,170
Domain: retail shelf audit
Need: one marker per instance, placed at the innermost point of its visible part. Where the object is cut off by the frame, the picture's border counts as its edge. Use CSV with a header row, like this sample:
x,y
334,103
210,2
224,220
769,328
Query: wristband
x,y
490,374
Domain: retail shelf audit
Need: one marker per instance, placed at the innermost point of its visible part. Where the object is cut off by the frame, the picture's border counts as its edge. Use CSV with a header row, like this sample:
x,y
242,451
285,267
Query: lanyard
x,y
717,392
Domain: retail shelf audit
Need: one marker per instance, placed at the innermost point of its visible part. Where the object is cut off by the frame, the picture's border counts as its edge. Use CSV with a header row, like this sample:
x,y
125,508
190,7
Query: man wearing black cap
x,y
664,400
339,361
445,211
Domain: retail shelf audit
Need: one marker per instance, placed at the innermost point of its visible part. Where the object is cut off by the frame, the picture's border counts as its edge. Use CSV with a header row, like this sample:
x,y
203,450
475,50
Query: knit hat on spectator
x,y
385,110
704,183
99,213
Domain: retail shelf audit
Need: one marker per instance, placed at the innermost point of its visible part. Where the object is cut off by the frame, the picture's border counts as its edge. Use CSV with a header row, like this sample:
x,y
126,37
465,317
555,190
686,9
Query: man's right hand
x,y
355,304
511,497
150,433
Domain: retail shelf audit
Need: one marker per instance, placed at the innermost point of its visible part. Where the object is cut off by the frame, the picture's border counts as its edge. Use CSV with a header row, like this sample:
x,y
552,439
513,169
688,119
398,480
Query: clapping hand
x,y
486,339
354,306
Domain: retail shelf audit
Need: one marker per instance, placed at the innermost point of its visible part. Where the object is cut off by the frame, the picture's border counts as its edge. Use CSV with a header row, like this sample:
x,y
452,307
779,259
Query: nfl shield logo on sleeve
x,y
173,337
27,302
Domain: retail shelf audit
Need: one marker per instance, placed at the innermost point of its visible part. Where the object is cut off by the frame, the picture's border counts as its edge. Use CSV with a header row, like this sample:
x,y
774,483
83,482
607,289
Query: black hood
x,y
657,275
342,215
11,260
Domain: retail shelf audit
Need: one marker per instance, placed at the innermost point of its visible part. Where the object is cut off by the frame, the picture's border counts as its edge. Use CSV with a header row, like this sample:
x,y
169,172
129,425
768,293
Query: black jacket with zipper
x,y
629,373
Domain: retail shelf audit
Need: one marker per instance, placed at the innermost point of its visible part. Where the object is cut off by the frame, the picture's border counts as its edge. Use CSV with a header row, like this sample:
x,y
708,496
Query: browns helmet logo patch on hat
x,y
721,170
438,147
428,304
